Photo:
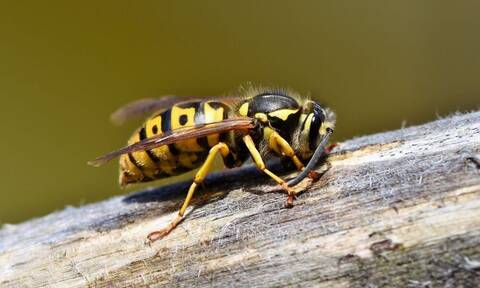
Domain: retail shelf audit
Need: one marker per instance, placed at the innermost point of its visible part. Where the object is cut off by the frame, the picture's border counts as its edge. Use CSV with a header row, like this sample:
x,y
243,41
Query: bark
x,y
400,209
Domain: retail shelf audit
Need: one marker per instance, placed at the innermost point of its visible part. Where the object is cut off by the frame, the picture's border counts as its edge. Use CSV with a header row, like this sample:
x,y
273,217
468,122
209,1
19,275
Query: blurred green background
x,y
66,65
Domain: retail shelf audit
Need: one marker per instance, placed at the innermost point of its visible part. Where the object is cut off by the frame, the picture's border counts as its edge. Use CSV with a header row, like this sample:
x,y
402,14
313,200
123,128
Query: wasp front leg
x,y
281,146
257,158
198,180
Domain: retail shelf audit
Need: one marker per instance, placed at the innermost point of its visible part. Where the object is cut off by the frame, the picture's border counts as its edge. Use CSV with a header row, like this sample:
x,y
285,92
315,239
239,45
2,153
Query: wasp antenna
x,y
313,161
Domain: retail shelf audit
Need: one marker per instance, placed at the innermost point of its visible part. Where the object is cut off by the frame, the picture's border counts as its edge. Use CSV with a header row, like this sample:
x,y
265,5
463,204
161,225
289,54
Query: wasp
x,y
185,133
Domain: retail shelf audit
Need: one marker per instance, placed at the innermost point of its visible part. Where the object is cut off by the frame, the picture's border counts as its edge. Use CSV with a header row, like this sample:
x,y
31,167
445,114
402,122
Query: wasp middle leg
x,y
257,158
199,177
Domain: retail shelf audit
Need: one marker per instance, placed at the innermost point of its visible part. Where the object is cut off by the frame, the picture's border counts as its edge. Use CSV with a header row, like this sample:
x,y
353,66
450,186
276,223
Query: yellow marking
x,y
149,167
155,121
267,132
212,115
306,128
262,117
283,113
176,115
281,146
161,152
128,171
243,109
302,117
167,160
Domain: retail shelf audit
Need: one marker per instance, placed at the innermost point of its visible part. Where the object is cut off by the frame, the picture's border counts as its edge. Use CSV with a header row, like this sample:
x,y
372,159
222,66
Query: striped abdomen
x,y
177,158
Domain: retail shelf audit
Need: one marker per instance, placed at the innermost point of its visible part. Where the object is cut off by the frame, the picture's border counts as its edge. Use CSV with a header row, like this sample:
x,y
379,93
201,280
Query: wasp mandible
x,y
185,133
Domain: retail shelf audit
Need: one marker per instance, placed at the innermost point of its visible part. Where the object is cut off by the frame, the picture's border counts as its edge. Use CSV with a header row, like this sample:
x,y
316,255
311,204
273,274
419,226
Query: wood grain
x,y
399,209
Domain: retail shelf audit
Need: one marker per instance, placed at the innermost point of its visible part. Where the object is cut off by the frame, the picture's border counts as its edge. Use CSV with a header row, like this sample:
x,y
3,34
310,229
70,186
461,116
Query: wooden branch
x,y
398,209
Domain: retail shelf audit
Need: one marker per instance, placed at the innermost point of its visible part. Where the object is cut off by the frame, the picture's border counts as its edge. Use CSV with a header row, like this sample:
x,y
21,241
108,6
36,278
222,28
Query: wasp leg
x,y
257,158
199,177
277,143
281,145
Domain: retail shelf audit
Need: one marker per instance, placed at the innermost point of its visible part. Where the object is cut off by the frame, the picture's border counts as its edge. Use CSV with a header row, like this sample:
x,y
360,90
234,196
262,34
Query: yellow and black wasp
x,y
187,133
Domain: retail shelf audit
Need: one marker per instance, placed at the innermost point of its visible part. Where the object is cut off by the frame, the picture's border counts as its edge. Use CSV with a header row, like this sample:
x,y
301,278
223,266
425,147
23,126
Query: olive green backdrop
x,y
66,65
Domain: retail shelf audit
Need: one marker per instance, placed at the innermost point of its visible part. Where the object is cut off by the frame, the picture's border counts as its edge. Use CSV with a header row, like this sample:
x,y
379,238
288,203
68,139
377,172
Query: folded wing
x,y
192,132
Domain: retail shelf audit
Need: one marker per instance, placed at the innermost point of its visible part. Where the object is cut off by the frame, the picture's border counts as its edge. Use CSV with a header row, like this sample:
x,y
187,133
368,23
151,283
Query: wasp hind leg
x,y
199,177
257,158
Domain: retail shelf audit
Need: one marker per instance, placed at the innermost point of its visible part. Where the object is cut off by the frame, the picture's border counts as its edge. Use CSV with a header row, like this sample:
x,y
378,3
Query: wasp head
x,y
313,125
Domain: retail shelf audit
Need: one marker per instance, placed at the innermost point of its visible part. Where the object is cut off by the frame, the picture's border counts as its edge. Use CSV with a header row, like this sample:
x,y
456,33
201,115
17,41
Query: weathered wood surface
x,y
399,209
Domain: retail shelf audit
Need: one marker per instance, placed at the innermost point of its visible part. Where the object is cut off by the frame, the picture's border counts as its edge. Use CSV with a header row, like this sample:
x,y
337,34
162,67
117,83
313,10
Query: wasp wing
x,y
186,133
143,107
148,106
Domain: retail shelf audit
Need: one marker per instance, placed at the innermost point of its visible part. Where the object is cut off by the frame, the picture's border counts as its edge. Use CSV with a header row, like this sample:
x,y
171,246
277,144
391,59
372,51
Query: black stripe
x,y
173,149
215,105
140,168
142,136
200,119
134,161
152,156
304,121
224,137
226,110
285,127
241,153
203,142
166,120
229,161
166,127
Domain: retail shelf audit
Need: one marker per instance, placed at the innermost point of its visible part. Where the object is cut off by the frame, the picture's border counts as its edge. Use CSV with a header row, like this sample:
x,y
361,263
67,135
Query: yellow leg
x,y
199,177
280,145
257,158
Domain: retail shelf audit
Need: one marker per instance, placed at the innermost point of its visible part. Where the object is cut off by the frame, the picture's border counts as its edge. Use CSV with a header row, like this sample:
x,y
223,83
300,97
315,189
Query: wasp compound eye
x,y
316,122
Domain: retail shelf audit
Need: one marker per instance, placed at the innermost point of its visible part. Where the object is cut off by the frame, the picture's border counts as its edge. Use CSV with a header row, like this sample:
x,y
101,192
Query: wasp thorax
x,y
279,111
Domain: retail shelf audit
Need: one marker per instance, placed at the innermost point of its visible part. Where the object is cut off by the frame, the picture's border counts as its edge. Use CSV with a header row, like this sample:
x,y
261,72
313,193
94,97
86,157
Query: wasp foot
x,y
290,199
155,235
313,175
